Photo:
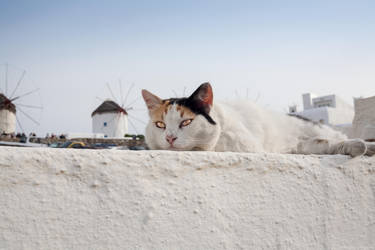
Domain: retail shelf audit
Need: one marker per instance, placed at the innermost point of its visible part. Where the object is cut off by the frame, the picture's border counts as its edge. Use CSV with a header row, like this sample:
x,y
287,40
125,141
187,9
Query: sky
x,y
267,51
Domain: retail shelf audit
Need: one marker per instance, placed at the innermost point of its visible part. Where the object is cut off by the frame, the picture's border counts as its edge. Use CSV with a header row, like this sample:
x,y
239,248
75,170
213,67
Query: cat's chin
x,y
176,149
173,148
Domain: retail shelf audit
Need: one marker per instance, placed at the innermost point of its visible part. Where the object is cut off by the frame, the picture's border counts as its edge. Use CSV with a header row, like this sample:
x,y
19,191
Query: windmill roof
x,y
5,103
109,107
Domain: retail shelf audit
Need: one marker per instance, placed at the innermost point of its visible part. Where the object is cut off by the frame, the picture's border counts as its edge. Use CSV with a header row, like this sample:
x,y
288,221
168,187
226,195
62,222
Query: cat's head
x,y
181,123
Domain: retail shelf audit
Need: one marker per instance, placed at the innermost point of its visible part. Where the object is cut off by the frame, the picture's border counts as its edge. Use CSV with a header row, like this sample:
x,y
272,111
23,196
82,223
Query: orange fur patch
x,y
159,113
184,111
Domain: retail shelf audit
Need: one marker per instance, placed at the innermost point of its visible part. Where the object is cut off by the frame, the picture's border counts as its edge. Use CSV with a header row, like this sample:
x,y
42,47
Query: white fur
x,y
241,126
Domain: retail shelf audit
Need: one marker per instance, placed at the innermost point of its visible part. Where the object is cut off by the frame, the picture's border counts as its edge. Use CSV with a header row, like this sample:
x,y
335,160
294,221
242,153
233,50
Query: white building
x,y
364,119
110,119
7,115
330,110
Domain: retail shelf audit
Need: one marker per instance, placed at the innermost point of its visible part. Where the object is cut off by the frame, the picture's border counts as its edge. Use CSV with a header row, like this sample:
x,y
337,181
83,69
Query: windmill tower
x,y
7,115
110,119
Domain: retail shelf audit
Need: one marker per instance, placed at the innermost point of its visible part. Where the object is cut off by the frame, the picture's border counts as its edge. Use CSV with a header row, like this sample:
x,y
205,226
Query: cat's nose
x,y
170,139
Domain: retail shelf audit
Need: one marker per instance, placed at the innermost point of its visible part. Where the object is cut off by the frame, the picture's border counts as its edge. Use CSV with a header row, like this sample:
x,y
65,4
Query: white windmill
x,y
111,118
7,115
20,101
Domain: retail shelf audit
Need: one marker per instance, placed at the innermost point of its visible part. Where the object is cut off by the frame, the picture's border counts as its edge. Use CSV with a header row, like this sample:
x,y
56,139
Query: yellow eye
x,y
185,122
160,124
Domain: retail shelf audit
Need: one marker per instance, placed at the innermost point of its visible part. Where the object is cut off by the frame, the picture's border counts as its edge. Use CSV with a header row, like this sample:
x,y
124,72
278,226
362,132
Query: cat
x,y
198,123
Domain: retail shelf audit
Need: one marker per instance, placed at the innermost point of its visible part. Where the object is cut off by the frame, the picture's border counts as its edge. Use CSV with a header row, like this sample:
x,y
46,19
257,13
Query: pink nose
x,y
170,139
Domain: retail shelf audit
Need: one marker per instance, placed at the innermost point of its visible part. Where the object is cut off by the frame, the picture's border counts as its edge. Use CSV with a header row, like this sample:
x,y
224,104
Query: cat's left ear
x,y
152,101
202,98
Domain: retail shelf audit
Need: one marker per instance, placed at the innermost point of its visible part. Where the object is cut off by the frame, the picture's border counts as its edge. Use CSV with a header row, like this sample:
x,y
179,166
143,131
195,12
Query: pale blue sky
x,y
275,49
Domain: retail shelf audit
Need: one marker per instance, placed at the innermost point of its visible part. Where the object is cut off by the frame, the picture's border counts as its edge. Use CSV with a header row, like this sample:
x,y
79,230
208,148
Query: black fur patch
x,y
187,102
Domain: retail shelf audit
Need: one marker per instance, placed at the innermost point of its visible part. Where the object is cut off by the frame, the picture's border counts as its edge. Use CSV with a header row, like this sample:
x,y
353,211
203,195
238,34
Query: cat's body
x,y
263,130
196,123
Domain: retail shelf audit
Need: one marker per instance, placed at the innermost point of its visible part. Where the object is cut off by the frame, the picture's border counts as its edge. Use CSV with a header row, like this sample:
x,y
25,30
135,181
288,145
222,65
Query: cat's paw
x,y
370,148
354,147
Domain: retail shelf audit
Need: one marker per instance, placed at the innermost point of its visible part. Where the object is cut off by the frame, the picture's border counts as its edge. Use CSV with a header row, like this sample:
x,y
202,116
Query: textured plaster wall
x,y
85,199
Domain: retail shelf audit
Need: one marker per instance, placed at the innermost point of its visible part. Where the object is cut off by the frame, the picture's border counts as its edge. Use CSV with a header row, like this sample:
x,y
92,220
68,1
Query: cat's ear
x,y
202,98
151,100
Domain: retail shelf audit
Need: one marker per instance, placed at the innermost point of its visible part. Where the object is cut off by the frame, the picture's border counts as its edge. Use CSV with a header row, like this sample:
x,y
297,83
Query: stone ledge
x,y
108,199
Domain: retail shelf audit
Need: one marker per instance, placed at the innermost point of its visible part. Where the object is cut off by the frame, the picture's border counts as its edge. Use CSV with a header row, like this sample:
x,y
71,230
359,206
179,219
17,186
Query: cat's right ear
x,y
202,98
152,101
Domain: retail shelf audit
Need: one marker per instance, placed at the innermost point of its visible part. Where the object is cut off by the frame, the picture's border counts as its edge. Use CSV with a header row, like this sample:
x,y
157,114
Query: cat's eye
x,y
185,122
160,124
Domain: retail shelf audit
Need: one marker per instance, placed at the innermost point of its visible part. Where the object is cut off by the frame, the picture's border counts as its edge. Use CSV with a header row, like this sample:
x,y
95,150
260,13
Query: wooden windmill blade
x,y
18,84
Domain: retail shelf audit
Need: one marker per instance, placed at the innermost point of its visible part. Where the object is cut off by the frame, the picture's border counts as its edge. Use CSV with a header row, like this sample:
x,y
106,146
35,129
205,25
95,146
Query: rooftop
x,y
109,107
6,104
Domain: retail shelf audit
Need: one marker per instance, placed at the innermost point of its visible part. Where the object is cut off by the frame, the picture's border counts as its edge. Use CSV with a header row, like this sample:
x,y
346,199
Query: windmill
x,y
112,117
20,102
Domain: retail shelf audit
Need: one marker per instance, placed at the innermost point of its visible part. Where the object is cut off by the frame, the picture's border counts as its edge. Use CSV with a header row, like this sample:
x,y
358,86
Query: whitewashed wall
x,y
364,120
98,199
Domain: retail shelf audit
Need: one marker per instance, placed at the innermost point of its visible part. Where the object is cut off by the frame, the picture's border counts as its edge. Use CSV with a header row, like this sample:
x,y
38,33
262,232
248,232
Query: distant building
x,y
364,119
7,115
110,119
329,110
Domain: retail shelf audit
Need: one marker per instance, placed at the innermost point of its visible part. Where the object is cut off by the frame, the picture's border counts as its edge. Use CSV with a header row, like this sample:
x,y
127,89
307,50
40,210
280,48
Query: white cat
x,y
197,123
